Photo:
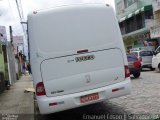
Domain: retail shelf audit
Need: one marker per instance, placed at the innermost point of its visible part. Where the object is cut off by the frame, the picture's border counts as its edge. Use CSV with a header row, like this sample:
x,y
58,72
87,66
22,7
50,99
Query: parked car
x,y
145,56
134,65
156,59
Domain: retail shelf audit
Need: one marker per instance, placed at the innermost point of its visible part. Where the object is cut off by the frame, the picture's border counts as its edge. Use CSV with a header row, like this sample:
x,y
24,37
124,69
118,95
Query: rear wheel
x,y
159,67
136,75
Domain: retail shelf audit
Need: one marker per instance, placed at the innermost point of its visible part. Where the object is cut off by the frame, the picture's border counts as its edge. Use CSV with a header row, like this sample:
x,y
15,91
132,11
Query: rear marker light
x,y
114,90
34,12
127,73
40,90
56,103
117,89
107,5
52,104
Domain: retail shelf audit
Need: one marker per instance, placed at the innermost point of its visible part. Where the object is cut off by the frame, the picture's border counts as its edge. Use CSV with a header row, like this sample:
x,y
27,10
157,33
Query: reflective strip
x,y
117,89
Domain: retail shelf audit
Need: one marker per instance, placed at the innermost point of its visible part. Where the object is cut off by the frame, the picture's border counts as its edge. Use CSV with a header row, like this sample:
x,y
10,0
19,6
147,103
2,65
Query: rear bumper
x,y
73,100
146,65
134,70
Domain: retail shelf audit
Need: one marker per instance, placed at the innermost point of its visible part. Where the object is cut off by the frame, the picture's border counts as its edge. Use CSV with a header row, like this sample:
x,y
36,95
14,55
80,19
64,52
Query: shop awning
x,y
147,7
130,15
140,31
122,19
137,11
144,8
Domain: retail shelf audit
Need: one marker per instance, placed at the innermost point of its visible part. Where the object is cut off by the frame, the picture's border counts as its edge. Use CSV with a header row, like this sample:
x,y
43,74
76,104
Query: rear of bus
x,y
77,56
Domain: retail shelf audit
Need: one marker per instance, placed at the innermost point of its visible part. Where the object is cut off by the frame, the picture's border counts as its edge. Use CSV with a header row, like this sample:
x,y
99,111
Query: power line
x,y
18,10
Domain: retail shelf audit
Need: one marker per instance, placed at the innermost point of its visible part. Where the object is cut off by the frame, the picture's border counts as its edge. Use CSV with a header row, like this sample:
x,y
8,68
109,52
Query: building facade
x,y
155,27
135,19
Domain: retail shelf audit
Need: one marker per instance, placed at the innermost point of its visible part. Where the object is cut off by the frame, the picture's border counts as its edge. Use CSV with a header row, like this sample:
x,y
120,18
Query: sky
x,y
9,13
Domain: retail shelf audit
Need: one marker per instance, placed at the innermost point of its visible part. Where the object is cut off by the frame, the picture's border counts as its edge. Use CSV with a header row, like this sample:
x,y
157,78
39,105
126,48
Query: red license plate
x,y
89,97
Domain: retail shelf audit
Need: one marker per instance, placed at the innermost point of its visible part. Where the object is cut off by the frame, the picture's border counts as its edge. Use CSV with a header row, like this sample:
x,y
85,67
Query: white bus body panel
x,y
55,36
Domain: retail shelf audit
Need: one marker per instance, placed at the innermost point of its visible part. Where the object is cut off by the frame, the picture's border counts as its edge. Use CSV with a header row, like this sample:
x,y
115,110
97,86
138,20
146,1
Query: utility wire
x,y
18,10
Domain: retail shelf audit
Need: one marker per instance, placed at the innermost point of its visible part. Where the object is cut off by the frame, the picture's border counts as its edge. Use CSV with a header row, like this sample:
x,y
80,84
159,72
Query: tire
x,y
152,69
136,75
159,67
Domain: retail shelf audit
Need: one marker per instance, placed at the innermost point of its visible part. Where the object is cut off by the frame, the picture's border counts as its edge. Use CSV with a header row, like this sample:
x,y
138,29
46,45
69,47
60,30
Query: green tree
x,y
129,41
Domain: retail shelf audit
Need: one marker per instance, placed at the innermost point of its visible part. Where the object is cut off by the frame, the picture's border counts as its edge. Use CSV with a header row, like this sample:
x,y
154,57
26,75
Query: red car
x,y
134,65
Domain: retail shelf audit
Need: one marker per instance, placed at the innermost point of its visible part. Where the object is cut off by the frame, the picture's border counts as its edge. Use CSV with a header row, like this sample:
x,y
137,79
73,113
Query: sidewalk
x,y
17,103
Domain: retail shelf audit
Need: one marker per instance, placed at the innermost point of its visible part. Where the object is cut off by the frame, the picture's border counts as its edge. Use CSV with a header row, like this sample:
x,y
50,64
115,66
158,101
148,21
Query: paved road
x,y
145,96
17,104
144,99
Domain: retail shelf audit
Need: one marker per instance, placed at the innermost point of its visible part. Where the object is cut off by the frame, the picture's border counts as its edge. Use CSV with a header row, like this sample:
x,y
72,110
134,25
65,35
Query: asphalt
x,y
15,103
